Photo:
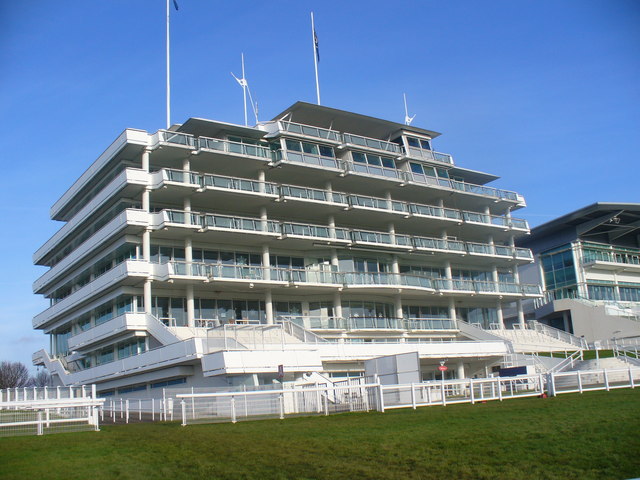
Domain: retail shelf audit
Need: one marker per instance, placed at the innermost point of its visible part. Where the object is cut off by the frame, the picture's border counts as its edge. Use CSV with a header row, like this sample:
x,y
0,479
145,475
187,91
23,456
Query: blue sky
x,y
544,93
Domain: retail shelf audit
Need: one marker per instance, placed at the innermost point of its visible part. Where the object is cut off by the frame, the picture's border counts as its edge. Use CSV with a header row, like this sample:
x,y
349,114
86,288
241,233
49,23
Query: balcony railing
x,y
249,185
227,146
312,194
372,323
177,138
310,131
242,184
253,273
430,155
323,232
361,141
365,168
311,159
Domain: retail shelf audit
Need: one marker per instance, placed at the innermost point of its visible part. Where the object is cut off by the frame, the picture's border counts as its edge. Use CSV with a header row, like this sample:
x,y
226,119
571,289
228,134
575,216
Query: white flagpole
x,y
168,74
244,92
315,56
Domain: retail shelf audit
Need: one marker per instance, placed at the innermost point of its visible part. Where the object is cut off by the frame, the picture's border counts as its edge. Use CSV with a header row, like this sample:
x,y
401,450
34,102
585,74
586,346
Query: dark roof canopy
x,y
607,222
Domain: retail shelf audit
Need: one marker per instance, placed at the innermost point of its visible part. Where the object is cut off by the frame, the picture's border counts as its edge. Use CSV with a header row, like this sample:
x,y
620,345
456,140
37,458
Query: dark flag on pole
x,y
315,41
175,4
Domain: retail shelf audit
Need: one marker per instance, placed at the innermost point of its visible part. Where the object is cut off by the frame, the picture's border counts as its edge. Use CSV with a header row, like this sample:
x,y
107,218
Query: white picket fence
x,y
39,411
370,394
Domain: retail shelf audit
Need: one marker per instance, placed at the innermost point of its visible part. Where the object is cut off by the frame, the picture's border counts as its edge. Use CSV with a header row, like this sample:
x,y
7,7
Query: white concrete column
x,y
395,267
266,263
332,226
499,314
397,304
145,160
387,195
261,179
487,215
146,203
187,210
392,233
268,307
188,255
520,313
190,307
452,309
334,258
186,164
146,245
263,218
147,296
447,273
329,188
460,369
337,305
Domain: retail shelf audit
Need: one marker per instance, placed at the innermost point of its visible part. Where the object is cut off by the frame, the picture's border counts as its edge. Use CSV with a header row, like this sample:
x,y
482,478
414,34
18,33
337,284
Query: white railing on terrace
x,y
235,147
360,141
310,131
347,279
372,323
342,198
558,334
176,138
323,232
430,155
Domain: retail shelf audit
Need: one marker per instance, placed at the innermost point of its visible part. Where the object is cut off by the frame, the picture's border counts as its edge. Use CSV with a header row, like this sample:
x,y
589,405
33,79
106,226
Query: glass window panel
x,y
416,168
326,151
388,162
425,144
373,160
413,142
359,157
293,145
310,148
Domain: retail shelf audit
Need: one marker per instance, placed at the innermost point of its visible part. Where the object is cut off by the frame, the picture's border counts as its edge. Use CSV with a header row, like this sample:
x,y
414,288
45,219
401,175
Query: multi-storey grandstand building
x,y
217,254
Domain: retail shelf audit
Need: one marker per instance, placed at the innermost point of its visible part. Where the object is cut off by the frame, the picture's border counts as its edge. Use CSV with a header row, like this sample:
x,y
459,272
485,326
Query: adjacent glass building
x,y
589,264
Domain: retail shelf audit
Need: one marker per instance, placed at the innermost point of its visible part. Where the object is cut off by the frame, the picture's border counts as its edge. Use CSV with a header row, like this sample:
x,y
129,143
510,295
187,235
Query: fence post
x,y
281,406
473,400
381,397
498,381
551,384
193,405
442,392
429,394
326,402
126,406
579,381
40,430
318,399
606,379
413,396
96,421
233,409
183,407
140,409
631,384
153,409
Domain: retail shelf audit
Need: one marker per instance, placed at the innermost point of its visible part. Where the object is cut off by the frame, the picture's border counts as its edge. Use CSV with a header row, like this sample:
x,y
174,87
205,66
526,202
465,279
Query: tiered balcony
x,y
375,323
345,200
275,276
321,233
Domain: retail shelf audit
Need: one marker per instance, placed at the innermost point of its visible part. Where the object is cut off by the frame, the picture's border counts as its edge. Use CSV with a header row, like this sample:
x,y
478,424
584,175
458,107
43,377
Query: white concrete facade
x,y
216,254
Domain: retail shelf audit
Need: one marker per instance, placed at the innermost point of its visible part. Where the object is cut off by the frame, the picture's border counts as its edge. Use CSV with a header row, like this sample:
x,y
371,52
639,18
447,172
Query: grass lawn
x,y
595,435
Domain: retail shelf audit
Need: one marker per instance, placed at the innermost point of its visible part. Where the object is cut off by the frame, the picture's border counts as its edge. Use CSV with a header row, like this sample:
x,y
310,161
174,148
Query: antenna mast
x,y
407,118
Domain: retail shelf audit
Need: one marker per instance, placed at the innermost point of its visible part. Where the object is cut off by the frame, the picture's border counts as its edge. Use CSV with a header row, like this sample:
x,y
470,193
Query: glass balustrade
x,y
429,324
371,143
227,146
310,131
310,159
177,138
